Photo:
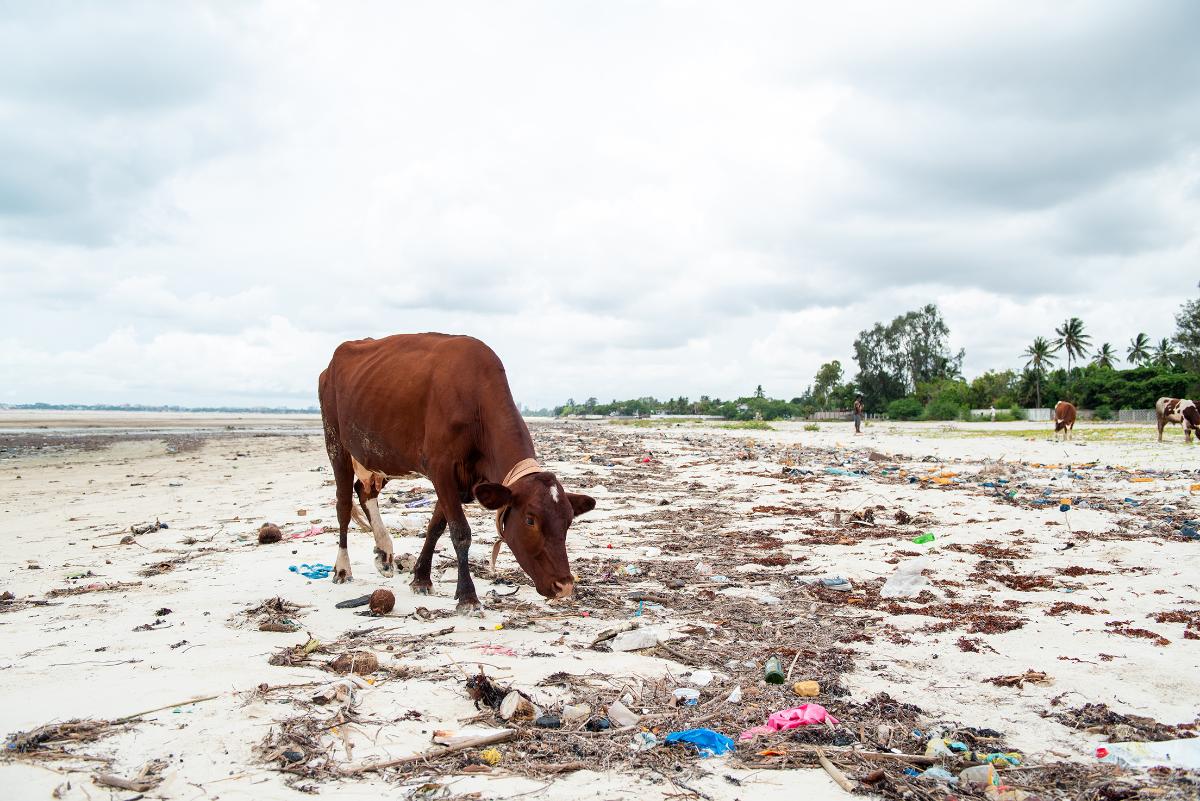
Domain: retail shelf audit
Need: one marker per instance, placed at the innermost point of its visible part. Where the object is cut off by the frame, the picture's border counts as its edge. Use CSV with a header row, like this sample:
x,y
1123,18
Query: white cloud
x,y
653,199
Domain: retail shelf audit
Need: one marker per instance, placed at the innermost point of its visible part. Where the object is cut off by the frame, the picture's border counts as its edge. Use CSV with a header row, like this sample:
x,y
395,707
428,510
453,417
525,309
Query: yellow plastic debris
x,y
806,689
490,756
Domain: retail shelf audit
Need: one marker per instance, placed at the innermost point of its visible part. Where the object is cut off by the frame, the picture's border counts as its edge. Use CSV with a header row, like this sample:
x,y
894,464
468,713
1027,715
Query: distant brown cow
x,y
1177,410
441,406
1064,419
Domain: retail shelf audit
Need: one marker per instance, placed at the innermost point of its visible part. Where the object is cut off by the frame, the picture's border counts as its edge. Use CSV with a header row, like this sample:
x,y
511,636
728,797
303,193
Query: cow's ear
x,y
492,496
581,504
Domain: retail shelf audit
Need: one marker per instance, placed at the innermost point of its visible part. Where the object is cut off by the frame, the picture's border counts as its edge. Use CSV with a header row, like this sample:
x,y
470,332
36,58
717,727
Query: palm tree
x,y
1164,353
1139,350
1073,340
1105,356
1041,354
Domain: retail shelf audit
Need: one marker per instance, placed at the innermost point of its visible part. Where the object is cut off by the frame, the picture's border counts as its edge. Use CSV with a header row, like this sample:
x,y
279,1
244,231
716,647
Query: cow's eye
x,y
529,520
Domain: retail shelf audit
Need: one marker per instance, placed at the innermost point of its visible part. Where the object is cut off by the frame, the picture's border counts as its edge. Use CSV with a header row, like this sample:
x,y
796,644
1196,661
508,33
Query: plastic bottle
x,y
980,774
773,672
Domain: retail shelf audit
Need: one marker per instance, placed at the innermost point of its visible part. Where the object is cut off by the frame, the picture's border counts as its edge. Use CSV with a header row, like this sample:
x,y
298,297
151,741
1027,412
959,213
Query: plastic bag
x,y
803,715
907,581
708,742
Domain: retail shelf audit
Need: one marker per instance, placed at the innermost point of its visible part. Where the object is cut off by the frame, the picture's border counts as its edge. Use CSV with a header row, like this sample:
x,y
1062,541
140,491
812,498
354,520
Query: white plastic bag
x,y
907,581
1171,753
635,640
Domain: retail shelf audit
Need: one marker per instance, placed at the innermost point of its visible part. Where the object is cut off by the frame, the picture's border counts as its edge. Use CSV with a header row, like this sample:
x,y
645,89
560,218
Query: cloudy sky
x,y
198,202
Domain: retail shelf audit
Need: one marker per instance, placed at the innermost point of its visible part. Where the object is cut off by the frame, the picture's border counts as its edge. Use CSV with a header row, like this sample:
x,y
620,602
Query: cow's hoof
x,y
421,587
342,577
385,563
470,609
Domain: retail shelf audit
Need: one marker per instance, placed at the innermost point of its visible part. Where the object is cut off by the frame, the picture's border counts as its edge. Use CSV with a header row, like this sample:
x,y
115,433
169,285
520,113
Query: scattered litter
x,y
315,571
643,741
803,715
908,580
1183,754
573,713
707,742
620,715
635,640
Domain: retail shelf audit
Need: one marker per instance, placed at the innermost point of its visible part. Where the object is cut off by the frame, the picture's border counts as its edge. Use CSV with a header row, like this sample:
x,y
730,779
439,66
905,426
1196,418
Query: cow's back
x,y
392,398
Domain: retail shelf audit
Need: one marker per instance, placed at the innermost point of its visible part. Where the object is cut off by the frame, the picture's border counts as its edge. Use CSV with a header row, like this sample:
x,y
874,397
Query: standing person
x,y
858,414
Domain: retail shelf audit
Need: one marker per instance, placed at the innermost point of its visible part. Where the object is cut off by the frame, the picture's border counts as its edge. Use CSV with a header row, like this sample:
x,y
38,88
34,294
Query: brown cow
x,y
440,406
1064,419
1177,410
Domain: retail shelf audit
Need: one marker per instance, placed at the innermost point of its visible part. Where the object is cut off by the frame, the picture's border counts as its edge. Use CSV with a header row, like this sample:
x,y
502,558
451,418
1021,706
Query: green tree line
x,y
907,370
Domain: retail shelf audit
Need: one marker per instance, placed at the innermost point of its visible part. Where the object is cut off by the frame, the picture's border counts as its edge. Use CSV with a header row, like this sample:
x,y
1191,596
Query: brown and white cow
x,y
1177,410
441,406
1064,419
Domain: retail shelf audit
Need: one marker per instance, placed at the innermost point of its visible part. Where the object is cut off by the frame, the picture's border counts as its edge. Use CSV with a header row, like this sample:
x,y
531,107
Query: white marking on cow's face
x,y
554,493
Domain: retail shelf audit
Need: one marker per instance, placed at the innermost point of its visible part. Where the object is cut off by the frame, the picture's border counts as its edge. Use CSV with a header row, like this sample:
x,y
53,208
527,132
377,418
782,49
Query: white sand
x,y
81,658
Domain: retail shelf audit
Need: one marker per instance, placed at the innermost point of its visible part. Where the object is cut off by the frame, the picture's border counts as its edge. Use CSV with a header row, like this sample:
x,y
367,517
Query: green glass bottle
x,y
774,671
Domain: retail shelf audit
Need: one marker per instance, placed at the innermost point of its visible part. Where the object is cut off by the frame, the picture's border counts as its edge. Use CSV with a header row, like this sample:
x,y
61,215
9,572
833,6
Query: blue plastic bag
x,y
708,742
317,571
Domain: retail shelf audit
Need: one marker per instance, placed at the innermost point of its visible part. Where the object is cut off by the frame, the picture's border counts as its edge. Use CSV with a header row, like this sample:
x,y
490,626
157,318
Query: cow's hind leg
x,y
421,583
368,496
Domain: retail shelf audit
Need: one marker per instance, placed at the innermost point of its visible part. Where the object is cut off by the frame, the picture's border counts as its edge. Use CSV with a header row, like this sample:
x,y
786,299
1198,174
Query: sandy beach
x,y
716,539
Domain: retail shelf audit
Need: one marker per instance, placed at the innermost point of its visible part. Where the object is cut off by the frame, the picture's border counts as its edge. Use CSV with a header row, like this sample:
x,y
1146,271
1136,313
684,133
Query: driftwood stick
x,y
108,780
873,756
836,774
128,718
608,634
791,667
489,739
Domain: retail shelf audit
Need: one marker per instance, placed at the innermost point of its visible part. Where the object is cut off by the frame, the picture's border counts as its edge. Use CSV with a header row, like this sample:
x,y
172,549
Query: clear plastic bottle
x,y
982,775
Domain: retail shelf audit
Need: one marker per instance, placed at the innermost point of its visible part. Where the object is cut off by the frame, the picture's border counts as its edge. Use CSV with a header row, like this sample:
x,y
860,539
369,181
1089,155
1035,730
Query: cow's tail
x,y
359,519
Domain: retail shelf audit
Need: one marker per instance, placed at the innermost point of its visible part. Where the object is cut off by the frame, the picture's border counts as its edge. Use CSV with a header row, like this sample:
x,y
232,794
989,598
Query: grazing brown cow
x,y
440,406
1177,410
1064,419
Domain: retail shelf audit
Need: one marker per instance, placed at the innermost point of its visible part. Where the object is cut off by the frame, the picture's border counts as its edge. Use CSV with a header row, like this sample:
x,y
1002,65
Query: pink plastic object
x,y
803,715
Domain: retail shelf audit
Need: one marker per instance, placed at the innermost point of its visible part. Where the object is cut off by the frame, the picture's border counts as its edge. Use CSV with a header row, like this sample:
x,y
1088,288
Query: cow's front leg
x,y
468,601
385,561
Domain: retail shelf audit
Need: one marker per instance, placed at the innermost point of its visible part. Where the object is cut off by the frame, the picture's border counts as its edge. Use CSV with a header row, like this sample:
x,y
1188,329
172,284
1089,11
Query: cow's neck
x,y
507,442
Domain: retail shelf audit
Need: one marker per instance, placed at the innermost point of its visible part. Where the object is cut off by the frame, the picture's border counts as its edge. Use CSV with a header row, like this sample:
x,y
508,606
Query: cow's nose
x,y
563,589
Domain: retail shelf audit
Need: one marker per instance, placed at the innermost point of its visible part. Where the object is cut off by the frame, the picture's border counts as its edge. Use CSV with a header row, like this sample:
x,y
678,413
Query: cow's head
x,y
536,514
